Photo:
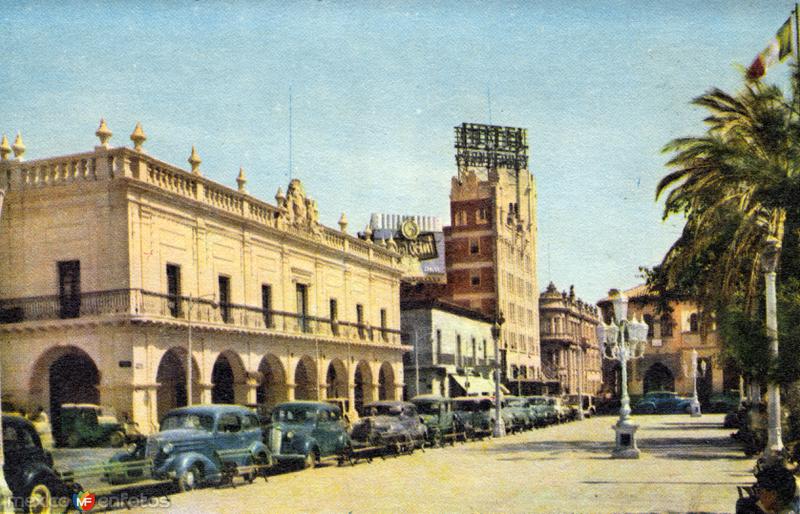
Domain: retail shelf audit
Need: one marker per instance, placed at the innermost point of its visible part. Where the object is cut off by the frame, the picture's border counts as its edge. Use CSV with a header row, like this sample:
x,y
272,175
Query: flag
x,y
776,51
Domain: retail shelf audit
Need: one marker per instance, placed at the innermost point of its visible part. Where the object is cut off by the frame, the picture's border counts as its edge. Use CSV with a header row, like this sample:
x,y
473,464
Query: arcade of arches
x,y
72,374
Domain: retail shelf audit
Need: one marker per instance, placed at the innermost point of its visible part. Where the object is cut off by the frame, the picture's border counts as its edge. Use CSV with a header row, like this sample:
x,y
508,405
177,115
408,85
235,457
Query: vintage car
x,y
29,468
349,414
520,411
722,403
478,415
563,411
86,424
306,432
389,423
197,444
440,420
546,412
662,402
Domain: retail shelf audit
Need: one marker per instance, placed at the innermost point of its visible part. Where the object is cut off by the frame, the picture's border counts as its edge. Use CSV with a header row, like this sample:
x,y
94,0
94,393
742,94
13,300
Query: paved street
x,y
687,465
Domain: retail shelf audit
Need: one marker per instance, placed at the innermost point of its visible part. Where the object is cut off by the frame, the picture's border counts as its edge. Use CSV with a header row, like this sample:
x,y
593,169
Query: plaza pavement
x,y
687,465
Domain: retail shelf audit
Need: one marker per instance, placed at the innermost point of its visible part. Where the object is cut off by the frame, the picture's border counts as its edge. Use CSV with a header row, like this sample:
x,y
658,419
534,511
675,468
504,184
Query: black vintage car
x,y
29,469
390,423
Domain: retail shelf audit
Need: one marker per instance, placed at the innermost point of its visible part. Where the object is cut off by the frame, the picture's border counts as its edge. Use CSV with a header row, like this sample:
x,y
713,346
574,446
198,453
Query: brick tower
x,y
490,246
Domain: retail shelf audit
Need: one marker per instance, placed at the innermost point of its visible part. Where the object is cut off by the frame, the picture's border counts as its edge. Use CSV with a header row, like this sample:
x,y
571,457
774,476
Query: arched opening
x,y
705,383
363,385
336,380
305,379
658,378
229,379
386,382
171,377
72,377
272,389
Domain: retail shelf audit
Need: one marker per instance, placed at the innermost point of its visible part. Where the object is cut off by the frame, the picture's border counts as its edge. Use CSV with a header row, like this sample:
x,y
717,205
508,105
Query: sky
x,y
376,89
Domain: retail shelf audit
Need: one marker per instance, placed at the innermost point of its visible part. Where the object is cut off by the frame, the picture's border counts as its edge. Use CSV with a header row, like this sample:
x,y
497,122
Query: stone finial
x,y
103,133
343,223
368,231
5,148
138,137
19,147
194,161
383,243
279,196
241,180
392,243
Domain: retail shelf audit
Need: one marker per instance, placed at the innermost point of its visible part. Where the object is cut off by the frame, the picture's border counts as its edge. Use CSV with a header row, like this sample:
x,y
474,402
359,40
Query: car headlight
x,y
167,448
289,435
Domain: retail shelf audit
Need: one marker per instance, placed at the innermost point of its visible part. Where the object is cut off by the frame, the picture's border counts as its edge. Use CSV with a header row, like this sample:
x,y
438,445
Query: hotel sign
x,y
410,241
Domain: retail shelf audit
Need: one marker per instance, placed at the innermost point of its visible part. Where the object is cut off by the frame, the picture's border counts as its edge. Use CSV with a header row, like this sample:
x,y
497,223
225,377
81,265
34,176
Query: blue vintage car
x,y
304,431
197,444
662,402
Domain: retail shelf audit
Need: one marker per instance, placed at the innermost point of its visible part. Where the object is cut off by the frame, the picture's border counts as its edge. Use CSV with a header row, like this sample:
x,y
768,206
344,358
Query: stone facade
x,y
452,346
114,261
672,337
490,247
570,353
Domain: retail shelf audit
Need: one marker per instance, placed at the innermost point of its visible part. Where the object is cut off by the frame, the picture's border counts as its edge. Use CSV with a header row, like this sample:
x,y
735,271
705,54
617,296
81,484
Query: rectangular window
x,y
474,246
69,288
475,278
266,304
485,351
438,345
384,335
174,289
225,298
360,320
302,307
459,356
334,314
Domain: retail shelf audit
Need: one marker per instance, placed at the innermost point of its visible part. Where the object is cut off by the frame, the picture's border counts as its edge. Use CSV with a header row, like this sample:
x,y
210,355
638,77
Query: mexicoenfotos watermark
x,y
85,501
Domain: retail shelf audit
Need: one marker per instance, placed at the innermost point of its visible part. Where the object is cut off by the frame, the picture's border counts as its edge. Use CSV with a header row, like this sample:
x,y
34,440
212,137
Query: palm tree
x,y
735,185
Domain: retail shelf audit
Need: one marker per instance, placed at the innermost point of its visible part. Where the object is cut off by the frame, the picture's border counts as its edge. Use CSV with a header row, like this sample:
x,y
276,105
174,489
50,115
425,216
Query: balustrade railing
x,y
195,310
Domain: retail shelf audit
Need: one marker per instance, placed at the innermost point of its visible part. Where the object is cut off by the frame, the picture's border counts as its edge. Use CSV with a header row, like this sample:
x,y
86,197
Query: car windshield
x,y
187,420
551,401
384,410
474,405
295,415
517,402
538,401
428,408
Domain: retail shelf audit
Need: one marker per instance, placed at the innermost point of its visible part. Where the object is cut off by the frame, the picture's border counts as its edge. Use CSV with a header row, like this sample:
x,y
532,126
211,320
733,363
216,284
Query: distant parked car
x,y
196,444
29,468
518,407
546,413
349,414
389,422
307,432
662,402
440,420
87,424
478,414
588,407
722,403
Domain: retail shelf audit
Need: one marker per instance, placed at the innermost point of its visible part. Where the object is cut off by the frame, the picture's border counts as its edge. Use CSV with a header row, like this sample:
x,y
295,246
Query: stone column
x,y
205,392
398,391
290,386
375,389
144,409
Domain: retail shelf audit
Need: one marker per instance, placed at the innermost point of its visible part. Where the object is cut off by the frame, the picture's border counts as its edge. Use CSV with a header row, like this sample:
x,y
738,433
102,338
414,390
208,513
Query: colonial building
x,y
672,336
119,268
570,353
490,246
453,351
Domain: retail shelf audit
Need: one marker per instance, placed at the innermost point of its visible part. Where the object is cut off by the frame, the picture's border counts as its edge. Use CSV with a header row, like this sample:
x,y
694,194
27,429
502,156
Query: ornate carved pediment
x,y
298,210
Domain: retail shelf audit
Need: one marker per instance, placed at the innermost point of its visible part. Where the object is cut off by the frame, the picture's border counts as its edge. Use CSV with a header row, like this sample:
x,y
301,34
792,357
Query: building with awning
x,y
474,386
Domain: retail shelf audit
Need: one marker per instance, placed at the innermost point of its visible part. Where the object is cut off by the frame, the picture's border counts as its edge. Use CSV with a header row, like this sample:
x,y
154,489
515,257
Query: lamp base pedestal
x,y
695,409
625,441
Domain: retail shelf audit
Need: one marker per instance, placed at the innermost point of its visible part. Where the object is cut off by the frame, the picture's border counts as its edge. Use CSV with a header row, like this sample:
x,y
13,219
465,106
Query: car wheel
x,y
262,463
40,499
190,479
73,440
437,440
116,439
311,460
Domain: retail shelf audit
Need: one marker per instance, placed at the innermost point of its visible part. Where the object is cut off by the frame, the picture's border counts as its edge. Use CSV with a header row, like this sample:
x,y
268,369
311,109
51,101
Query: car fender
x,y
183,462
258,447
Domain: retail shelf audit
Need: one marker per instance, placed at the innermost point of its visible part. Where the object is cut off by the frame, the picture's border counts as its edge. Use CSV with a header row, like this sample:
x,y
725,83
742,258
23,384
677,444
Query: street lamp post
x,y
769,264
499,426
623,340
696,412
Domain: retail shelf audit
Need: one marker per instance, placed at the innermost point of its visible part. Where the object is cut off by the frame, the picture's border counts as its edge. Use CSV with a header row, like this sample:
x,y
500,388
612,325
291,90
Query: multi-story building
x,y
116,264
453,351
672,335
490,246
570,352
